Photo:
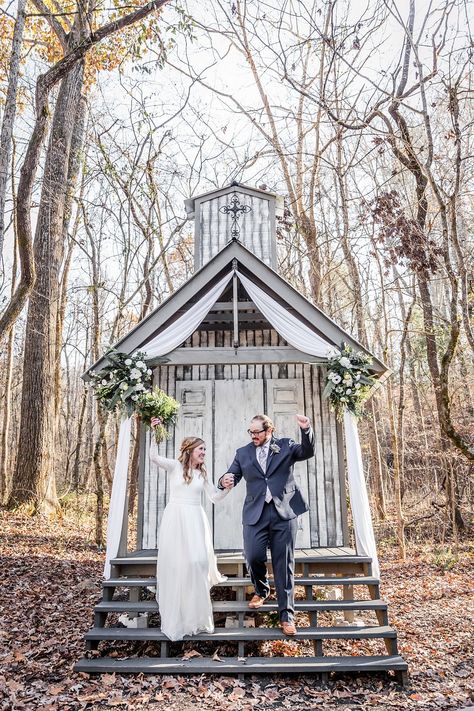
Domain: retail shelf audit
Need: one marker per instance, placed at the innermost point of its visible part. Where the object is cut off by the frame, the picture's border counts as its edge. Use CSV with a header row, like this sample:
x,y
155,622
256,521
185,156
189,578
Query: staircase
x,y
317,571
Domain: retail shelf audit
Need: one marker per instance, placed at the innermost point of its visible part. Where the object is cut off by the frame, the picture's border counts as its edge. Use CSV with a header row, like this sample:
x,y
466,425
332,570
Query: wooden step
x,y
247,665
242,606
243,582
151,560
236,634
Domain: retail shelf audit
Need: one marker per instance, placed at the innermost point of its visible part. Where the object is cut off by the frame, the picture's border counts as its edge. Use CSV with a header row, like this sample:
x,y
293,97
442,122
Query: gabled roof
x,y
190,202
262,275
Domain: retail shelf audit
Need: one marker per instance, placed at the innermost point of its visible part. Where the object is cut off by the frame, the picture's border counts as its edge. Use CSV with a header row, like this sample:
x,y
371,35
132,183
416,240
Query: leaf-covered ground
x,y
51,579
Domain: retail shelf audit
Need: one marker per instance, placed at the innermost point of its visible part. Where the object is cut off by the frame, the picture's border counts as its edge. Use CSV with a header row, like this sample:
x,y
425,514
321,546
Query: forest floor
x,y
51,575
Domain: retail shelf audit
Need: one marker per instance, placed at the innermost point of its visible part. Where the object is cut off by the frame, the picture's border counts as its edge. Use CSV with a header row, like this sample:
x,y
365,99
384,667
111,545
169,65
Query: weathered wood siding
x,y
217,404
256,227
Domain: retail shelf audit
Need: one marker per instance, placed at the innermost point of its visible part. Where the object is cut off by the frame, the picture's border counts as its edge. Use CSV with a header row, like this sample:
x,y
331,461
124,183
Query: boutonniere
x,y
274,448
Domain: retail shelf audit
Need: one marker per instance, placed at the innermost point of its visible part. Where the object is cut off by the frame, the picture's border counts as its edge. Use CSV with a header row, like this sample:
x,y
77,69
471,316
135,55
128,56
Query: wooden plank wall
x,y
326,491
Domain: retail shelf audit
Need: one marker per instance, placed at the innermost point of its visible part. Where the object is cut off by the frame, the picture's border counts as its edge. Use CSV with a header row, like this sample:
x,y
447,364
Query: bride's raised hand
x,y
155,421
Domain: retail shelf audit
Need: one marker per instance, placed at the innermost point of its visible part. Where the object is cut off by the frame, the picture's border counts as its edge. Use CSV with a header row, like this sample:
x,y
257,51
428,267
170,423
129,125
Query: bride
x,y
187,566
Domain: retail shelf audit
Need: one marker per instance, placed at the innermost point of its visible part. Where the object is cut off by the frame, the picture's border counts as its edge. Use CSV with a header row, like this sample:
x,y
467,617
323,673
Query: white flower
x,y
134,397
357,386
140,386
104,382
357,376
347,380
128,361
149,371
111,376
124,386
333,353
339,389
140,364
348,391
135,374
343,399
345,362
336,378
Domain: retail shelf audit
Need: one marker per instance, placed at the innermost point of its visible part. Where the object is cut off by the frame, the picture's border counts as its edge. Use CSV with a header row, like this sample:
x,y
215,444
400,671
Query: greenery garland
x,y
348,380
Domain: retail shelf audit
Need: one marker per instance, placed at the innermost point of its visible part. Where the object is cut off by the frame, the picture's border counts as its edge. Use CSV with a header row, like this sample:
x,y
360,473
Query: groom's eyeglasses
x,y
255,432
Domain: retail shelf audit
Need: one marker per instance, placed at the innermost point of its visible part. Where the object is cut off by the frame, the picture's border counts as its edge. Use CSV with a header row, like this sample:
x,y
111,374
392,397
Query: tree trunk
x,y
397,474
99,481
134,468
6,136
5,461
34,481
76,469
376,459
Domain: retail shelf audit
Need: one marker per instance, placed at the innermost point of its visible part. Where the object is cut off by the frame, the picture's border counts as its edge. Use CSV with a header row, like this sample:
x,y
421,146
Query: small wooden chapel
x,y
235,363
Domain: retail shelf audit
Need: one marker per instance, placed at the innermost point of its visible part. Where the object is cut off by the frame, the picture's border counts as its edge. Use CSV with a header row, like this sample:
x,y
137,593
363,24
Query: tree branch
x,y
44,85
54,23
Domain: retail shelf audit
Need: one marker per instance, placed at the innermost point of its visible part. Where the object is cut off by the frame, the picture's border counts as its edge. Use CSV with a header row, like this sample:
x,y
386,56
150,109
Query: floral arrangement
x,y
348,380
124,385
119,385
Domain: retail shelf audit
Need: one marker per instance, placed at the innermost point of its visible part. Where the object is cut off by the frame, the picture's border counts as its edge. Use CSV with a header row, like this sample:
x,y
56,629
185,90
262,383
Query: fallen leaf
x,y
108,679
237,693
272,694
14,686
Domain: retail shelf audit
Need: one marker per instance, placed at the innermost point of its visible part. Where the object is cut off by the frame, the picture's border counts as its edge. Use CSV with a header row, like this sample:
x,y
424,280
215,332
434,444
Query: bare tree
x,y
34,479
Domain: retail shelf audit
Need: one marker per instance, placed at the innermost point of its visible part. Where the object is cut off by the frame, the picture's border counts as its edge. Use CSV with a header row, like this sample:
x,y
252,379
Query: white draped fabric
x,y
361,516
118,496
295,332
185,325
165,342
299,336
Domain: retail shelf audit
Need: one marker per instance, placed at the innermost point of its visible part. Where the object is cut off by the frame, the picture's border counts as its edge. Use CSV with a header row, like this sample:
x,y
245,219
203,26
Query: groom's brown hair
x,y
265,420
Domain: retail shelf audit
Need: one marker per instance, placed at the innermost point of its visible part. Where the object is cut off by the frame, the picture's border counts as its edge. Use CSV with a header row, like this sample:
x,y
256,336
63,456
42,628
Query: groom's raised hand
x,y
303,421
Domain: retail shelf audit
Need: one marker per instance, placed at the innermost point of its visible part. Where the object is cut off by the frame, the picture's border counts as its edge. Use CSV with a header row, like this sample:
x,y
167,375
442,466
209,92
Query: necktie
x,y
262,454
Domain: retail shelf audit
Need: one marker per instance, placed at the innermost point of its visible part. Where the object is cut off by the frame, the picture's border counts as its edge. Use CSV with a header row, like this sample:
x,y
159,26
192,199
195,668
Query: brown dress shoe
x,y
288,627
257,602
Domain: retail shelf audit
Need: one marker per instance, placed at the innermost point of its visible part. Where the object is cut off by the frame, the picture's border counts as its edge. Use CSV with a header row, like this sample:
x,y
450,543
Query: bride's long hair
x,y
186,449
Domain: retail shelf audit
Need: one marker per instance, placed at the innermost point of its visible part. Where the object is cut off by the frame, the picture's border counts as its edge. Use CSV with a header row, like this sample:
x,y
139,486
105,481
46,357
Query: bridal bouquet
x,y
125,385
157,404
348,380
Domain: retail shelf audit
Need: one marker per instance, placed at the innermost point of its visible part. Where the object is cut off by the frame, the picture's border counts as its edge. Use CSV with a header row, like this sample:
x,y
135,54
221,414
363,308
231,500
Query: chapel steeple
x,y
236,212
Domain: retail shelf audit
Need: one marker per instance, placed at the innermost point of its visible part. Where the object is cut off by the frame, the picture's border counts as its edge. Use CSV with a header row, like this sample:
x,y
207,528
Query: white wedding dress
x,y
186,566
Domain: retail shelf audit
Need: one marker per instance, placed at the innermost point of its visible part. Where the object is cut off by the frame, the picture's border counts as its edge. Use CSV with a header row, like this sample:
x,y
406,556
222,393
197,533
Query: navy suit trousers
x,y
271,531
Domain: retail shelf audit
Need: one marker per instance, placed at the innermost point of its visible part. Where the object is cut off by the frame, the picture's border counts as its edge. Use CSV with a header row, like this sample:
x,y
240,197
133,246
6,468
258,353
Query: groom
x,y
271,507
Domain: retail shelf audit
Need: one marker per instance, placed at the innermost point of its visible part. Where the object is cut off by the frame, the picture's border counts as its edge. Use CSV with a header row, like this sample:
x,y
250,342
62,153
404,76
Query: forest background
x,y
361,118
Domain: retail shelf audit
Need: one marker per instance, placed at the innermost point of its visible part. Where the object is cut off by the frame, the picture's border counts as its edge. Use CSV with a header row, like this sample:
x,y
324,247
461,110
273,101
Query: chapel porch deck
x,y
308,561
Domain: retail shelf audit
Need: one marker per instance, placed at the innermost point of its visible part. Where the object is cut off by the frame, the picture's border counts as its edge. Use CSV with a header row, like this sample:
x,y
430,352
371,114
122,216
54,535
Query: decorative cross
x,y
236,209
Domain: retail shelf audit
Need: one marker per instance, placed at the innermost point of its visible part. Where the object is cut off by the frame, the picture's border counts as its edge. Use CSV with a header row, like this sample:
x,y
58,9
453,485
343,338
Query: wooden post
x,y
235,305
348,594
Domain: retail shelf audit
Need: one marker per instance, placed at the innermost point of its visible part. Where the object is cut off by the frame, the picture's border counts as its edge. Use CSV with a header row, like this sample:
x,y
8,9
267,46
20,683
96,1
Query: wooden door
x,y
235,402
195,420
285,399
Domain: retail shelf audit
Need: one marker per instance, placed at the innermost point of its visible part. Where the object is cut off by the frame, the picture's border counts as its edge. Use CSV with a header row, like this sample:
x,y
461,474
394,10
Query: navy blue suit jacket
x,y
279,477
